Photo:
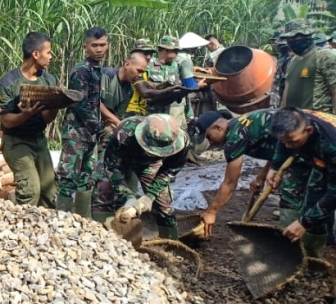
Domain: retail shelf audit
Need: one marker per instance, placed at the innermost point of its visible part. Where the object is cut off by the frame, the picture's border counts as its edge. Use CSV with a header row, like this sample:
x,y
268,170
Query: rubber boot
x,y
288,216
83,203
101,216
168,232
65,203
314,244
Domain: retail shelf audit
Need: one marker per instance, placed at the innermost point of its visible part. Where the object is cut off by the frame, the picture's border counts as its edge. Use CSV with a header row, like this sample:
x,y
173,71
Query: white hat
x,y
192,40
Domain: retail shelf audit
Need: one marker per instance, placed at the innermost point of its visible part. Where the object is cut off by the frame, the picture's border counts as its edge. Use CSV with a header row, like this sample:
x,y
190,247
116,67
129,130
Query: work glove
x,y
145,203
132,203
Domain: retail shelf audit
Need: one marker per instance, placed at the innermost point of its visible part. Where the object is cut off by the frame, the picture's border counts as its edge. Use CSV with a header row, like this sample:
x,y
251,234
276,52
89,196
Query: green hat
x,y
160,135
297,26
332,39
143,44
320,38
169,43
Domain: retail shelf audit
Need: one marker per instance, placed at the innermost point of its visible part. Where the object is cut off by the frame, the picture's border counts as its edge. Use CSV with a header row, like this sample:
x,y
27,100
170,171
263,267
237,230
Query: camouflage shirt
x,y
311,79
82,121
123,154
250,134
320,153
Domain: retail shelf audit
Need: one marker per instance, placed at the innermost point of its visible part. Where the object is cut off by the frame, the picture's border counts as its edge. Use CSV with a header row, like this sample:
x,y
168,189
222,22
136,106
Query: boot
x,y
168,232
288,216
83,203
101,216
65,203
314,244
330,229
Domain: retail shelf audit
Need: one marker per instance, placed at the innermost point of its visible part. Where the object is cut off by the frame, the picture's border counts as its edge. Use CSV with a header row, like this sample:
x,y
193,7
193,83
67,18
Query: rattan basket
x,y
51,97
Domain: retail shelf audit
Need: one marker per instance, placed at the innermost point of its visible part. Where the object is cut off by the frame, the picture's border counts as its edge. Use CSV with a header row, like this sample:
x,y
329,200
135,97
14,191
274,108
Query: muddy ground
x,y
221,282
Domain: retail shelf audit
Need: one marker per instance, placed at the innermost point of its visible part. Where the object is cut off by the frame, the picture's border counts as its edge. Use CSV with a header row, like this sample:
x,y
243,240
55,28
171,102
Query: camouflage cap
x,y
143,44
320,38
297,26
169,43
160,135
332,39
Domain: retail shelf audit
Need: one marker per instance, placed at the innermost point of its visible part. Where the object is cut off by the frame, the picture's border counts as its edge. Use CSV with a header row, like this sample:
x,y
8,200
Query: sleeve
x,y
190,83
317,215
114,161
88,108
170,167
237,141
326,63
186,69
280,155
8,101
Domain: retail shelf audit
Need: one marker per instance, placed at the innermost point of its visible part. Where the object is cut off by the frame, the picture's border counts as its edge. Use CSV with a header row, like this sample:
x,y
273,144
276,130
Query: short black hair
x,y
95,32
288,119
33,42
208,37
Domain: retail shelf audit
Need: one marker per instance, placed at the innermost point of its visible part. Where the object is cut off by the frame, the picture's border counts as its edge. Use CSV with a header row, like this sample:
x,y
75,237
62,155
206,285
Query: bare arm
x,y
49,115
284,96
108,115
147,92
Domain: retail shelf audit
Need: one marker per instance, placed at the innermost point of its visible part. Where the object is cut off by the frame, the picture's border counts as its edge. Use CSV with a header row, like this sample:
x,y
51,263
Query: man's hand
x,y
209,219
256,186
202,83
273,180
294,231
30,110
145,203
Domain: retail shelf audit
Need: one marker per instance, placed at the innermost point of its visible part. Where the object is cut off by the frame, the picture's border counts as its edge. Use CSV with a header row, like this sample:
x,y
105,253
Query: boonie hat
x,y
160,135
169,43
143,44
297,26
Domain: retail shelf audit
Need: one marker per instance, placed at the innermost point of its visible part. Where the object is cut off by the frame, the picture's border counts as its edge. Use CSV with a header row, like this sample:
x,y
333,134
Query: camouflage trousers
x,y
302,187
75,169
107,200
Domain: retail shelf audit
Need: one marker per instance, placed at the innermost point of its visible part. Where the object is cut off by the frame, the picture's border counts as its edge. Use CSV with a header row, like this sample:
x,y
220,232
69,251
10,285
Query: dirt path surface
x,y
221,282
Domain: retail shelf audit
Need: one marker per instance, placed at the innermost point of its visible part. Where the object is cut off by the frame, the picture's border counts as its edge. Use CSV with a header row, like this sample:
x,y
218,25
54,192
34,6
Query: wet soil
x,y
221,282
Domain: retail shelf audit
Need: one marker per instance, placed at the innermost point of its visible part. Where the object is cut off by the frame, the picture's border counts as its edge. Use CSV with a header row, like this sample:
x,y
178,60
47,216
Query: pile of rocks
x,y
56,257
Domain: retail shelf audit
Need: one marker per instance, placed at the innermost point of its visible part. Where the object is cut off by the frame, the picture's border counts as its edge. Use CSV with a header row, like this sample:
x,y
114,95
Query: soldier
x,y
283,59
311,78
155,148
310,135
214,48
81,128
24,144
332,40
145,92
164,69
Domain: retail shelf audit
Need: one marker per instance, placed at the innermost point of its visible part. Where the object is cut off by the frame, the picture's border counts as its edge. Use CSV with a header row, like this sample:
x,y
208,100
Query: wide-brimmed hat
x,y
320,38
143,44
169,43
332,38
191,40
160,135
297,26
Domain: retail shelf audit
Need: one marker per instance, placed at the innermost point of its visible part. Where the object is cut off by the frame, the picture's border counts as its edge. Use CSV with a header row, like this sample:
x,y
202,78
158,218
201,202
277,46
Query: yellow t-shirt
x,y
137,104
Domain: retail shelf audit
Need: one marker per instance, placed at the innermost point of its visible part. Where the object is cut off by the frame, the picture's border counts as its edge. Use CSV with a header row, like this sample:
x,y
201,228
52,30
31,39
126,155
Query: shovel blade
x,y
266,259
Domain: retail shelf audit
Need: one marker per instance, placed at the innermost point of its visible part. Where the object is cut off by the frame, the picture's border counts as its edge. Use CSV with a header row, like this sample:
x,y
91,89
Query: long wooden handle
x,y
263,196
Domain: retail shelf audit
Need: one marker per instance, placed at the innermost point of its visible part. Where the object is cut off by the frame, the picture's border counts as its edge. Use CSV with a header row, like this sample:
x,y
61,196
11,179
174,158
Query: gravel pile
x,y
56,257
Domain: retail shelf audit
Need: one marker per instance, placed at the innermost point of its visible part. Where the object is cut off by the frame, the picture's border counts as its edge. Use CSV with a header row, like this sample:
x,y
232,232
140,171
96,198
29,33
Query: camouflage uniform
x,y
156,150
81,127
314,73
158,72
320,154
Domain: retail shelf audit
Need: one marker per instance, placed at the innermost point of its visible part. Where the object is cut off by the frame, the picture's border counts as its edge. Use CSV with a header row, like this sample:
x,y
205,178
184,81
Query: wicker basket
x,y
50,96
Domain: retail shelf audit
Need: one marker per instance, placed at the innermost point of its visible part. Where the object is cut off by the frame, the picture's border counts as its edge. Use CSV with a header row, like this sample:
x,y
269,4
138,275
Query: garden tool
x,y
255,207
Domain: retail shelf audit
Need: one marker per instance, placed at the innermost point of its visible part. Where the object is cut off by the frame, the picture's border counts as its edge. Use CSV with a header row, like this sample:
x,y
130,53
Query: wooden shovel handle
x,y
263,196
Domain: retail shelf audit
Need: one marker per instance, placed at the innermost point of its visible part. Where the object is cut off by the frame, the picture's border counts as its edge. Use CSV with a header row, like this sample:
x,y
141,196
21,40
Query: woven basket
x,y
267,260
163,250
51,97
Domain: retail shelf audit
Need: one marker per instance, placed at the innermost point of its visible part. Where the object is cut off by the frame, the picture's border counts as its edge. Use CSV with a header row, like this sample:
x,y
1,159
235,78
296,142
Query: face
x,y
43,57
212,46
135,69
170,56
296,139
148,55
96,48
333,45
216,135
